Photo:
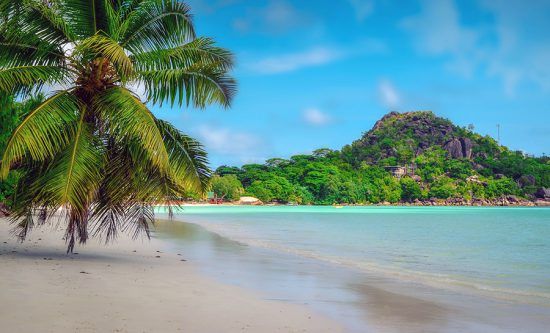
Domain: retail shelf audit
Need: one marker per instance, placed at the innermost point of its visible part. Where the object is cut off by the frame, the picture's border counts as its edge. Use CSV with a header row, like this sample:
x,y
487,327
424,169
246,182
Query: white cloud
x,y
363,8
294,61
231,145
227,141
276,17
389,97
316,56
280,13
504,48
316,117
523,48
438,28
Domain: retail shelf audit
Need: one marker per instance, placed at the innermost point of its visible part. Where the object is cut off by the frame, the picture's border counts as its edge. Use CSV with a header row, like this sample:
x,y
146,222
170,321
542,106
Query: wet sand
x,y
361,302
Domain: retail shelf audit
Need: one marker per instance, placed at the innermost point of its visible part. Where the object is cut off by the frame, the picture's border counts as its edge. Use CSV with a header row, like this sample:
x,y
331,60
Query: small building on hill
x,y
400,171
396,170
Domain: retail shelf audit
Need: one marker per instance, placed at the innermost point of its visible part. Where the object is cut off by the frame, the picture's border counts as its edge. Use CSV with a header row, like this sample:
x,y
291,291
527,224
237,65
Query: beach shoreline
x,y
380,271
366,298
128,286
425,203
194,278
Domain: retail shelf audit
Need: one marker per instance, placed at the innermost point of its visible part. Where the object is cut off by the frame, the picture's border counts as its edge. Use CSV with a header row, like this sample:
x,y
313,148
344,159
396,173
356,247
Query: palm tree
x,y
93,147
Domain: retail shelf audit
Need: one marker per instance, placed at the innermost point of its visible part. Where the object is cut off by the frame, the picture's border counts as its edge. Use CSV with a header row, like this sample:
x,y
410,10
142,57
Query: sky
x,y
315,74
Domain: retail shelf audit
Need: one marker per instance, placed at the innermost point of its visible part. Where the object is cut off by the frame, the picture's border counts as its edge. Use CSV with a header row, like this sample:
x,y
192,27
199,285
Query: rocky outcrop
x,y
454,148
380,123
509,200
543,193
459,148
467,146
526,180
414,131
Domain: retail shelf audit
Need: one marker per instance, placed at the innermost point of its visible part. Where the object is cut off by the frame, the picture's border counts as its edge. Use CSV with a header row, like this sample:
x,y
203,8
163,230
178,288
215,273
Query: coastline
x,y
129,286
362,300
226,285
426,203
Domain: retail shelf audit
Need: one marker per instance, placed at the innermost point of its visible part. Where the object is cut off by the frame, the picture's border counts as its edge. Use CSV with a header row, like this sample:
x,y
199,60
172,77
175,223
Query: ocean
x,y
501,254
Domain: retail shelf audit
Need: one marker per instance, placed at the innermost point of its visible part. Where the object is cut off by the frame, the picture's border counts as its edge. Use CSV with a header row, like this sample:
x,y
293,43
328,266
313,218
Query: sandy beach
x,y
128,287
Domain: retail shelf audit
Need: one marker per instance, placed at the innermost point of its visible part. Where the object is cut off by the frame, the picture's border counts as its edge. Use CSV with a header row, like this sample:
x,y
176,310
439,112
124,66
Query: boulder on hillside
x,y
459,148
454,148
512,199
466,147
543,193
526,180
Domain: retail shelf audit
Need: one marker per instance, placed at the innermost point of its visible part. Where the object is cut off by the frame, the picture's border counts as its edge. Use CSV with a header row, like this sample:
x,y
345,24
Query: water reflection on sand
x,y
362,302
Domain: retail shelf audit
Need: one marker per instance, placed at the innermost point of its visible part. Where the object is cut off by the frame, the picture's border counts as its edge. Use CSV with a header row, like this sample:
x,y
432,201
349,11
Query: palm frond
x,y
77,228
47,22
130,122
23,79
107,218
37,19
102,46
23,226
138,218
24,50
156,24
125,196
85,17
74,175
199,51
112,17
25,200
8,8
44,132
199,85
126,7
188,159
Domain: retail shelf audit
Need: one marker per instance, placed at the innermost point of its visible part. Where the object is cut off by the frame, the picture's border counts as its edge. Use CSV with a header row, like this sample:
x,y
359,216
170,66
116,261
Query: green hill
x,y
400,137
412,157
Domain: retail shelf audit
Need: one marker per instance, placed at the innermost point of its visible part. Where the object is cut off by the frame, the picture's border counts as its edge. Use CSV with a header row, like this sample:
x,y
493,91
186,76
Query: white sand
x,y
113,289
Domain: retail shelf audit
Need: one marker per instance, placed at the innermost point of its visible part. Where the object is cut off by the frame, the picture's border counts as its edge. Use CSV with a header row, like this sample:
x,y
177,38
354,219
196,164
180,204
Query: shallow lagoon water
x,y
492,264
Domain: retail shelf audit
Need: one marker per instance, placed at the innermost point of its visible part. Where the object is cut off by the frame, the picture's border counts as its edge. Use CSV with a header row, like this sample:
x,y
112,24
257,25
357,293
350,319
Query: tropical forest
x,y
411,157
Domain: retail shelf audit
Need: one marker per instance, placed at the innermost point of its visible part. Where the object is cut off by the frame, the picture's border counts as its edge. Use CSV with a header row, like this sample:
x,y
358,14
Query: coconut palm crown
x,y
93,148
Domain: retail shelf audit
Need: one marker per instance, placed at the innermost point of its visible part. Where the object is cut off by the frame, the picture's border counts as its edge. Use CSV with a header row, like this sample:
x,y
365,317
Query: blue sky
x,y
318,74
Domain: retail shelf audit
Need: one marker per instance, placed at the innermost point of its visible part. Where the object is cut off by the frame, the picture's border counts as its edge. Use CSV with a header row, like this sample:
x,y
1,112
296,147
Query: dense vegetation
x,y
444,162
10,117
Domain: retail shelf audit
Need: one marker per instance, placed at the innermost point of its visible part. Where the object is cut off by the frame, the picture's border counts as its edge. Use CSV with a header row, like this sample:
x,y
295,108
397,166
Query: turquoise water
x,y
500,251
